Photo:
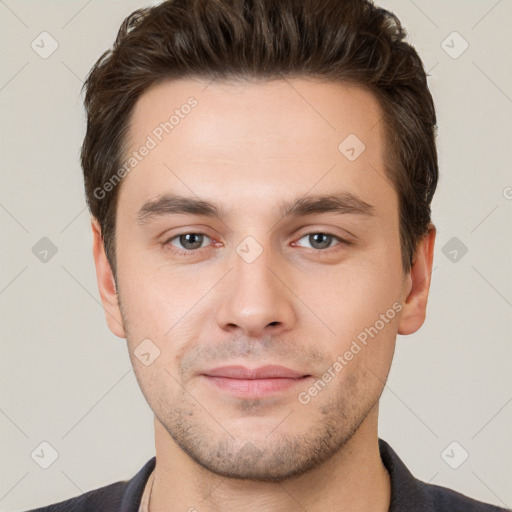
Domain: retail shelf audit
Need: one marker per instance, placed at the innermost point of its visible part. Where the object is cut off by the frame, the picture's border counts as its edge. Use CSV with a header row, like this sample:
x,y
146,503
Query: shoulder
x,y
445,499
105,498
410,493
120,496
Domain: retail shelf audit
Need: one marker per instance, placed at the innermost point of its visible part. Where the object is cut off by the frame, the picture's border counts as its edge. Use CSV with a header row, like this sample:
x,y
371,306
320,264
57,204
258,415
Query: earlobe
x,y
106,283
417,285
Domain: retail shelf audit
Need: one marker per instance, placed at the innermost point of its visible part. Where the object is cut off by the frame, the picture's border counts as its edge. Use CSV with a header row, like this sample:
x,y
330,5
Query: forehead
x,y
258,138
326,111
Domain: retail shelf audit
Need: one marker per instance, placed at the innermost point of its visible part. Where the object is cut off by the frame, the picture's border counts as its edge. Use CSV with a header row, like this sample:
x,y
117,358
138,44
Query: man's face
x,y
257,287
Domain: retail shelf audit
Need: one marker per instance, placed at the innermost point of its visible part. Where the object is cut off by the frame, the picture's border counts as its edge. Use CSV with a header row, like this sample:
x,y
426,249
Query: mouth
x,y
256,382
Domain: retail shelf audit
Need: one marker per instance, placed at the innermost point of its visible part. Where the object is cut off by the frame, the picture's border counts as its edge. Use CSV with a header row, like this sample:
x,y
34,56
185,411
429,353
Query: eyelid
x,y
348,237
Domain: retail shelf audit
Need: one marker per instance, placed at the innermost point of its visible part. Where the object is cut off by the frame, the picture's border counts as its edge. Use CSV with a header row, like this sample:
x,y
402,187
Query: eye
x,y
321,241
188,241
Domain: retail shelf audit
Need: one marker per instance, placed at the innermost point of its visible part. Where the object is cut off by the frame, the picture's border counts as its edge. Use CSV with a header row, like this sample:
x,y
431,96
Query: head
x,y
259,176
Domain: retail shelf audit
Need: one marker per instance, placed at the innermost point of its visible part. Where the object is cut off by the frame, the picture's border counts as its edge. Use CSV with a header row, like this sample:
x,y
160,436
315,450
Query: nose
x,y
256,297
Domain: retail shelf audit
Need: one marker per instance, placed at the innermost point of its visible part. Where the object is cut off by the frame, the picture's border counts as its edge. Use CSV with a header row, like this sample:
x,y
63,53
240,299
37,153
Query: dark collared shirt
x,y
407,493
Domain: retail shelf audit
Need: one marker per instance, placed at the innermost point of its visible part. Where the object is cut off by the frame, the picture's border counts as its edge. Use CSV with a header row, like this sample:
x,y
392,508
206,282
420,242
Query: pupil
x,y
188,239
319,237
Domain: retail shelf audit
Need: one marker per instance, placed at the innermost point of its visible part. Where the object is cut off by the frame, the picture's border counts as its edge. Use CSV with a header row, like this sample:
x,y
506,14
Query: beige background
x,y
67,380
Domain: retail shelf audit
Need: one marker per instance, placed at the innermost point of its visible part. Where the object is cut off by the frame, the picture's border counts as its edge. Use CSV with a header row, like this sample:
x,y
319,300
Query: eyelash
x,y
191,252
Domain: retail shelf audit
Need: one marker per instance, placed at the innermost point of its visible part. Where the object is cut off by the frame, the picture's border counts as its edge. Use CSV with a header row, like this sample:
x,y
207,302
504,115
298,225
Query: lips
x,y
254,383
263,372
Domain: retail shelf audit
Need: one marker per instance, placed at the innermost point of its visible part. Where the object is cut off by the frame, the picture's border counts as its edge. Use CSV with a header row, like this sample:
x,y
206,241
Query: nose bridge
x,y
254,295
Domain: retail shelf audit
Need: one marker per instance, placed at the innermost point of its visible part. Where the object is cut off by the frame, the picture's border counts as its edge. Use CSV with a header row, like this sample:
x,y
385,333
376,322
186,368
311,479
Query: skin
x,y
248,147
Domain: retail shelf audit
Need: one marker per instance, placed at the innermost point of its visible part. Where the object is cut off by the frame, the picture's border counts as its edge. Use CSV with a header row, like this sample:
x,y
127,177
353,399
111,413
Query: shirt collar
x,y
407,493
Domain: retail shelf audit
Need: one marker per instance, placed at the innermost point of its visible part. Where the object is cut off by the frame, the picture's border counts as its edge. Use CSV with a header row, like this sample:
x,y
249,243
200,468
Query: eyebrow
x,y
169,204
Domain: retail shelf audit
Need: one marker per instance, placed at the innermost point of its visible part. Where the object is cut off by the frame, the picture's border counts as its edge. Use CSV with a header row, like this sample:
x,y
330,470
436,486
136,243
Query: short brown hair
x,y
350,41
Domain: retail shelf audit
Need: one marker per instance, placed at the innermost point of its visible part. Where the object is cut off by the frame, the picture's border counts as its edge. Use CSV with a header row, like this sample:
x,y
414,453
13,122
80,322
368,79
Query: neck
x,y
354,479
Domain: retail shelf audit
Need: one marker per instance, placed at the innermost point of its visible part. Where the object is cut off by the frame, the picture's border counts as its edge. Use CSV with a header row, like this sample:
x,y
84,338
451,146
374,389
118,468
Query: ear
x,y
418,285
106,283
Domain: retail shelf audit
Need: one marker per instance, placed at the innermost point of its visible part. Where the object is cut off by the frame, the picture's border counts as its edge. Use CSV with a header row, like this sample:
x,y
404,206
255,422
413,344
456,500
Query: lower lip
x,y
255,388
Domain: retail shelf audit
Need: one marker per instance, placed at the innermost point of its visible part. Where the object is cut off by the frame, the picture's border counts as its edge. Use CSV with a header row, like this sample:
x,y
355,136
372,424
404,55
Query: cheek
x,y
154,299
161,311
156,382
349,298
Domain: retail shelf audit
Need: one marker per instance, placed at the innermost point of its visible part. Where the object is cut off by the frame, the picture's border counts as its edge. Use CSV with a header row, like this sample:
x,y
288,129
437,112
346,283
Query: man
x,y
260,177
